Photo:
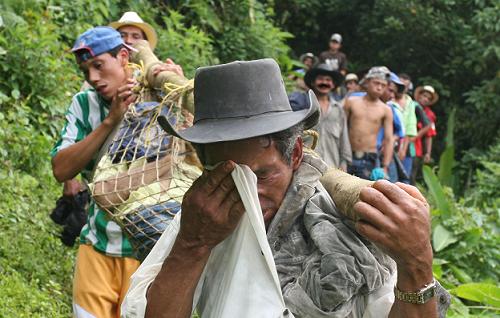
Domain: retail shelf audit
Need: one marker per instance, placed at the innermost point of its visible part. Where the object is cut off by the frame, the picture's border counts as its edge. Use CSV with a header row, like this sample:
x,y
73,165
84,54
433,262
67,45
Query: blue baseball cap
x,y
97,41
396,80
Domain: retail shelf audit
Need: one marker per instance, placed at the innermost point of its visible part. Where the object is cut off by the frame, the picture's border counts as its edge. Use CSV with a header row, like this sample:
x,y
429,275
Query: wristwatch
x,y
419,297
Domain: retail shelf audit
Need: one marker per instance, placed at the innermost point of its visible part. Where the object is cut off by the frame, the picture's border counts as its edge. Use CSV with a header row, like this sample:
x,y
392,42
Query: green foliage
x,y
29,77
241,30
36,269
437,192
483,293
187,46
441,238
465,235
447,160
452,45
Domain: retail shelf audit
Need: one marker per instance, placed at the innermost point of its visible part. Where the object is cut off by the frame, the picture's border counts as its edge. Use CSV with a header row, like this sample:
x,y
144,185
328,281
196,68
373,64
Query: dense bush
x,y
465,233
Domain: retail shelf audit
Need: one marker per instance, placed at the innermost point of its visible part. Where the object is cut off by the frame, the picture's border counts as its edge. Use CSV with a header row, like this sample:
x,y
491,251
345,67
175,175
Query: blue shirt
x,y
397,124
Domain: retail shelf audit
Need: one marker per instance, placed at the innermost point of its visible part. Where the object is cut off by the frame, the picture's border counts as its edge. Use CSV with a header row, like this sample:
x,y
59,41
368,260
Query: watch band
x,y
419,297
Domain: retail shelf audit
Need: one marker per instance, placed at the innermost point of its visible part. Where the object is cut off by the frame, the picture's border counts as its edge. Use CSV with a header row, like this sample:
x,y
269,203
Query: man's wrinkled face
x,y
106,73
424,98
260,154
323,84
335,46
376,87
131,34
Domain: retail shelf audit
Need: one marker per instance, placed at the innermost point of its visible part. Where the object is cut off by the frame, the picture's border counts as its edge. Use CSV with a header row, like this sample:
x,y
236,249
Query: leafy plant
x,y
465,236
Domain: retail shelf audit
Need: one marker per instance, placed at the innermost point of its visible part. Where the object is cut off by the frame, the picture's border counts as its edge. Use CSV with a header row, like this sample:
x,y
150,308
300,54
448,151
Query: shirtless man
x,y
366,115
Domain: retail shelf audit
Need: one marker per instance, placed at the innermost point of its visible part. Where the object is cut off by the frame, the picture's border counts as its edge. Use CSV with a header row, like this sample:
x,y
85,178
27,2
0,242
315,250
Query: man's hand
x,y
396,218
71,187
401,153
427,158
168,66
211,209
120,102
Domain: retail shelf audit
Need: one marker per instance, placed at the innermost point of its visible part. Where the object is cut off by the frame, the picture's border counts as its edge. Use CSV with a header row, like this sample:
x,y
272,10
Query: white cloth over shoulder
x,y
240,278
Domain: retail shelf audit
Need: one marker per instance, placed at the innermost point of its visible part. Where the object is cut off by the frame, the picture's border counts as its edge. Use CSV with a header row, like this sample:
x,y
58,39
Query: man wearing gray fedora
x,y
327,266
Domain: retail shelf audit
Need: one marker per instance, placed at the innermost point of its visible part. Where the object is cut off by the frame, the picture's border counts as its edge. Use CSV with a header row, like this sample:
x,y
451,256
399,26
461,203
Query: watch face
x,y
420,297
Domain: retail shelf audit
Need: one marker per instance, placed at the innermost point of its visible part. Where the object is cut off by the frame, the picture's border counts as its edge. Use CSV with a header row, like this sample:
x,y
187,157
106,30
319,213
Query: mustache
x,y
324,86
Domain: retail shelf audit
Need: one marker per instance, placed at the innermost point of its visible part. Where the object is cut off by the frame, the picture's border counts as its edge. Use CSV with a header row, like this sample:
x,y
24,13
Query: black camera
x,y
71,213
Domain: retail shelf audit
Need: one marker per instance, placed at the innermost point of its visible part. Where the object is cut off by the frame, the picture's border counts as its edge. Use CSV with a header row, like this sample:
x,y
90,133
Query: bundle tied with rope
x,y
344,188
142,172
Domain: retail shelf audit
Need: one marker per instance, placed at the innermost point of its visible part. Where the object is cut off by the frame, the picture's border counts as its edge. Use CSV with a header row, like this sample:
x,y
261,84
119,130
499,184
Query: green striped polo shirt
x,y
86,112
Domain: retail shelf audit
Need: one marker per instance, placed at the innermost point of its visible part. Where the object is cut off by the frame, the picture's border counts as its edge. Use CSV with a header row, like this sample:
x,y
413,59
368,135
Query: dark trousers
x,y
363,164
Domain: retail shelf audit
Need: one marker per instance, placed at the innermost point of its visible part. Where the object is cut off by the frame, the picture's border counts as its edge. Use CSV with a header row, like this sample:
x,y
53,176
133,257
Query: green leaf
x,y
15,93
437,271
439,261
450,129
441,238
437,192
460,274
457,309
447,159
446,164
484,293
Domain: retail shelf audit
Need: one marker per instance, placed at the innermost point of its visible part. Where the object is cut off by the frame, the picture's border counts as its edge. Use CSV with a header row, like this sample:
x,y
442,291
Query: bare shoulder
x,y
353,101
386,108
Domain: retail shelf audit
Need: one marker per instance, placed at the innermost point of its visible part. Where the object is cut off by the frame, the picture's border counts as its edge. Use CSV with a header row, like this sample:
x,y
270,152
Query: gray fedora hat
x,y
241,100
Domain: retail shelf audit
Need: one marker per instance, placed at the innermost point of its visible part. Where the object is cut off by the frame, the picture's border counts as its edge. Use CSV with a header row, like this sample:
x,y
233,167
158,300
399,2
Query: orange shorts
x,y
100,283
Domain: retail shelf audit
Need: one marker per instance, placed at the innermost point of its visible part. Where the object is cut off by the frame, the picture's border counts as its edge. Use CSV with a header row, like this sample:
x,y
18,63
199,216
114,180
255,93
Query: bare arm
x,y
423,131
71,187
172,292
428,149
388,139
169,66
397,219
211,210
405,142
426,123
68,162
345,146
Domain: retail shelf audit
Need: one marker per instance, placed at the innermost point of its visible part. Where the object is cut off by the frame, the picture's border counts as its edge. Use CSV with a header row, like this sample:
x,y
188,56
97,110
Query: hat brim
x,y
303,57
148,30
337,77
419,90
128,47
230,129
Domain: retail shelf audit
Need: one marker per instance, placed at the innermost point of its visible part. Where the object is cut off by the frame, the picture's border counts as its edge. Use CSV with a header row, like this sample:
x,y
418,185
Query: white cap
x,y
336,37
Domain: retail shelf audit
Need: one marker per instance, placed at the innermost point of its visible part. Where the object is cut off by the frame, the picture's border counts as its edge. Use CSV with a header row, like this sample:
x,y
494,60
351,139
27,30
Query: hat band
x,y
241,117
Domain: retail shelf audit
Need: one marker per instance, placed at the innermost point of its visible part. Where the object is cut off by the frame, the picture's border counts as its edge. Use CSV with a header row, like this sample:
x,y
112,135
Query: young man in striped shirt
x,y
104,262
